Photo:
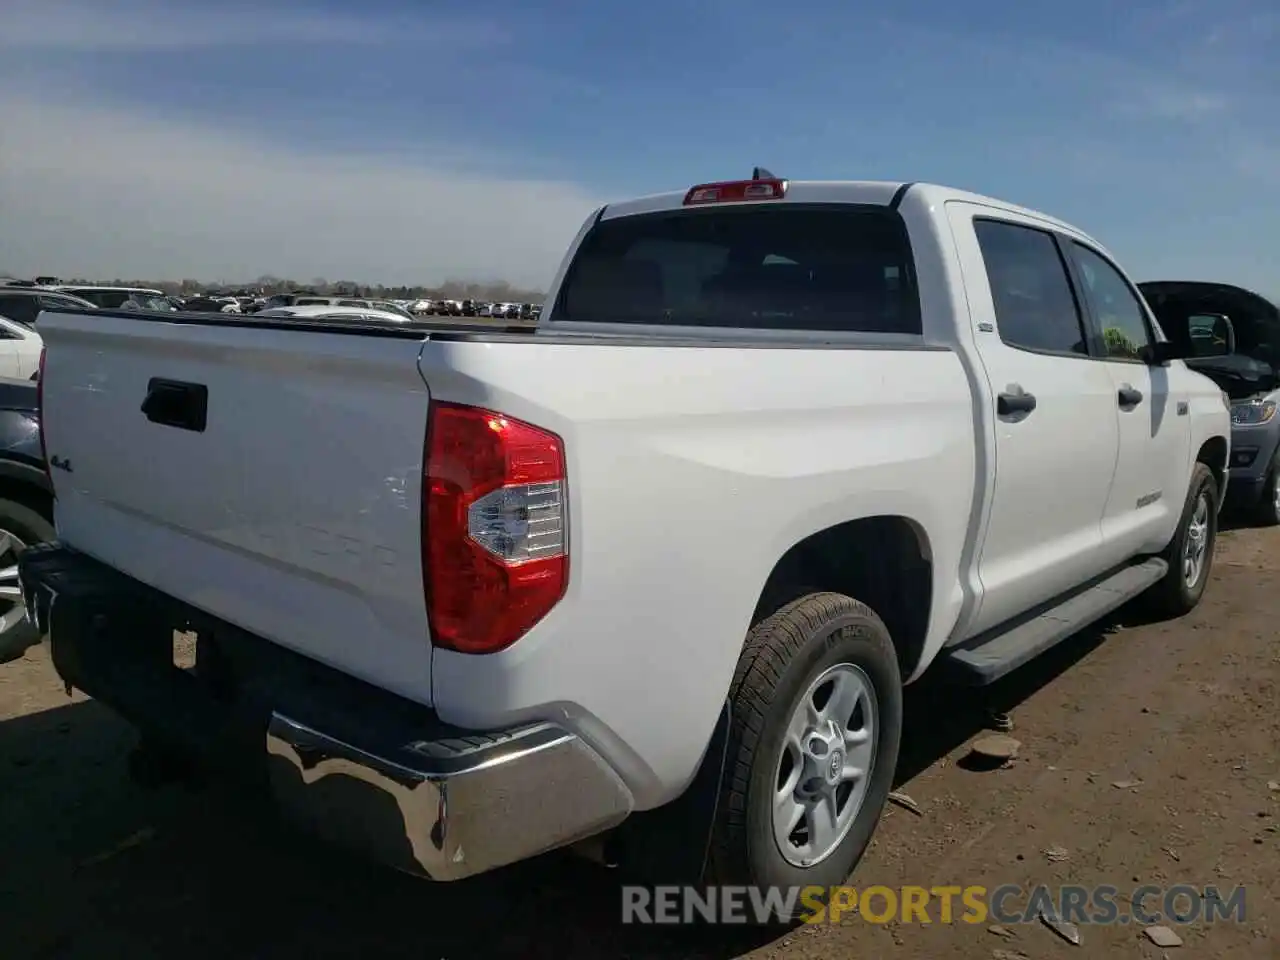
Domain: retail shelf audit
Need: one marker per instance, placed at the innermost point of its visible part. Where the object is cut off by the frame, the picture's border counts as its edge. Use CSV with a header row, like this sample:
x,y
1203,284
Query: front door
x,y
1152,469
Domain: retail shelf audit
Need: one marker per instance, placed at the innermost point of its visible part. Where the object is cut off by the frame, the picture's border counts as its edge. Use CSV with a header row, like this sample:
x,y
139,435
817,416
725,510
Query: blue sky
x,y
409,141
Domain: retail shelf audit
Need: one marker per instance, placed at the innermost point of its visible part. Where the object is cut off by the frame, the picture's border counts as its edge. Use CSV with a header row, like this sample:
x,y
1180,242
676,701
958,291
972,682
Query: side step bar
x,y
988,657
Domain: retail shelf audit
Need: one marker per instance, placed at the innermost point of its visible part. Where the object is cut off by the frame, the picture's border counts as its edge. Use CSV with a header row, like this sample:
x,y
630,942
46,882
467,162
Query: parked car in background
x,y
503,311
391,307
26,506
117,297
339,301
282,300
23,304
1232,336
212,305
349,314
20,347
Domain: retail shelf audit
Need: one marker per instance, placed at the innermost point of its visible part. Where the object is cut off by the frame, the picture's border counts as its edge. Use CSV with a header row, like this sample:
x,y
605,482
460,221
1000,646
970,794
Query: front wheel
x,y
1190,552
816,706
1266,512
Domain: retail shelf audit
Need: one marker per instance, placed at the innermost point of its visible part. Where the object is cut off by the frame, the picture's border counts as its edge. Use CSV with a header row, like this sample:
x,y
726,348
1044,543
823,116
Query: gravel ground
x,y
1189,712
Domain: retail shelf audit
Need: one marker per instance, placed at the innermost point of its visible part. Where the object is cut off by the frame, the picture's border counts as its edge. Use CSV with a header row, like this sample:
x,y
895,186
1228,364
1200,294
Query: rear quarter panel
x,y
691,471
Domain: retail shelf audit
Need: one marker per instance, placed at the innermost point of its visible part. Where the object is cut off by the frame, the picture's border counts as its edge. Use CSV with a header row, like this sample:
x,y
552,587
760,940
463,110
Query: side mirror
x,y
1211,335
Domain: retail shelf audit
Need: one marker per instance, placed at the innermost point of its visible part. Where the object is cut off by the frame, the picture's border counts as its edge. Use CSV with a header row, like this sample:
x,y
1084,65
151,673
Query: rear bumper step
x,y
354,763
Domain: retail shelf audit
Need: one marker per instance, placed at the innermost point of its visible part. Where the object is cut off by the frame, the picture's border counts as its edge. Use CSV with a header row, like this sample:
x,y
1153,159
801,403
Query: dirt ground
x,y
93,867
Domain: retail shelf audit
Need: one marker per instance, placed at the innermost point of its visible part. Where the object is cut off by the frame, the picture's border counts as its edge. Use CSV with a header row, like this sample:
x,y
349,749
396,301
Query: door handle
x,y
1011,403
1128,397
172,403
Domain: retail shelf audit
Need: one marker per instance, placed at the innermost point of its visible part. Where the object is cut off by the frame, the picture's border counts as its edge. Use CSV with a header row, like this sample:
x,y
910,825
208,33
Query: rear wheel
x,y
20,527
816,722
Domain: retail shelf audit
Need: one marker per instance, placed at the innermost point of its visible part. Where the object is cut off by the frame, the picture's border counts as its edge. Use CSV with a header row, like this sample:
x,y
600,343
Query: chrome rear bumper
x,y
357,764
487,806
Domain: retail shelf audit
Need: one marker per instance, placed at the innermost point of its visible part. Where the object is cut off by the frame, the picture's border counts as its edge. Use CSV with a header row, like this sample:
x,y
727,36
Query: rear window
x,y
786,267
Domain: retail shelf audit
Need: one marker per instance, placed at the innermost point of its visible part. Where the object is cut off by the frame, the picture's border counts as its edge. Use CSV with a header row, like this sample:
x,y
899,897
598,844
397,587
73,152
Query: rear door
x,y
1056,435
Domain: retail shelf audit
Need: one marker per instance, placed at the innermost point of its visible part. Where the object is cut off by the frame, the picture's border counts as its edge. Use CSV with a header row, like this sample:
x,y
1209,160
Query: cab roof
x,y
887,193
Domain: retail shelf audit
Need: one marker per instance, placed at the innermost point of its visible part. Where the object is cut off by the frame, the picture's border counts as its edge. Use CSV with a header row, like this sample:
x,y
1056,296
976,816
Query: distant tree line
x,y
492,290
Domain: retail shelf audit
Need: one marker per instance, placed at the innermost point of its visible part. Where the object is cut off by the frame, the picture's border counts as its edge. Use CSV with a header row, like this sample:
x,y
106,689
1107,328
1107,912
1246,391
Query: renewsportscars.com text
x,y
1007,904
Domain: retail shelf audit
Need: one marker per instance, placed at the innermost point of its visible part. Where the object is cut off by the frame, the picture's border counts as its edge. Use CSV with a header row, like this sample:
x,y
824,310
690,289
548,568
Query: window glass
x,y
1118,311
60,303
22,310
1035,308
829,268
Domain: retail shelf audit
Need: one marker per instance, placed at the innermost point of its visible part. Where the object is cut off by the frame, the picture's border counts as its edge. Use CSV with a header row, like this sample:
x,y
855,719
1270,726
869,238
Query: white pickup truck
x,y
656,570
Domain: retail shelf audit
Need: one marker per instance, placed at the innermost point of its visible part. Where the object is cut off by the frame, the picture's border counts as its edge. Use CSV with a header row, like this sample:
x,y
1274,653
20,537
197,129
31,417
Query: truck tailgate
x,y
292,511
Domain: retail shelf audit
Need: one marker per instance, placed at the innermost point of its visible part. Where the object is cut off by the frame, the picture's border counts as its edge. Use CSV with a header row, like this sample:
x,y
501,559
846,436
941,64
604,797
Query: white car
x,y
655,570
20,348
328,312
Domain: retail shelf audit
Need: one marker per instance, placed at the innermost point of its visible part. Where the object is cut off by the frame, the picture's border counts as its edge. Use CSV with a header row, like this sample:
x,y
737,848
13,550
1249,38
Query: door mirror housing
x,y
1159,353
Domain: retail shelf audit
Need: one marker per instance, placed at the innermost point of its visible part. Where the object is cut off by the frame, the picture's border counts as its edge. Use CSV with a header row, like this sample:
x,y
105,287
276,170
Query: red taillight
x,y
734,191
44,450
495,547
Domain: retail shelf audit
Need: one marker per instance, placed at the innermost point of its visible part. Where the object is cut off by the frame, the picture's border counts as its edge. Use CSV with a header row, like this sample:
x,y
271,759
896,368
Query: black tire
x,y
1173,596
30,527
1266,512
783,656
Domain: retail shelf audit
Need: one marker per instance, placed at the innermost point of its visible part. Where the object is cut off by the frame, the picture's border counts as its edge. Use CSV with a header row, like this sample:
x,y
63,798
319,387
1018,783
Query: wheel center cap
x,y
835,764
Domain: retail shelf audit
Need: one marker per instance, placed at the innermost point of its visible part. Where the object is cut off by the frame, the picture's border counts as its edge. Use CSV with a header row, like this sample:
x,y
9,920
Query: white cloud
x,y
103,191
1173,102
142,25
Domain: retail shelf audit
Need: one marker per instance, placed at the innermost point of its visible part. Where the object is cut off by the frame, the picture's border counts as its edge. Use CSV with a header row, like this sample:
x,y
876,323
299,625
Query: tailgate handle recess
x,y
172,403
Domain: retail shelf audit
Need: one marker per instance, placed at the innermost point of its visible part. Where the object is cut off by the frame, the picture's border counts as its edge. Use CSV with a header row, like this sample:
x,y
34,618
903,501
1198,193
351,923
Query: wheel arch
x,y
1213,454
885,561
